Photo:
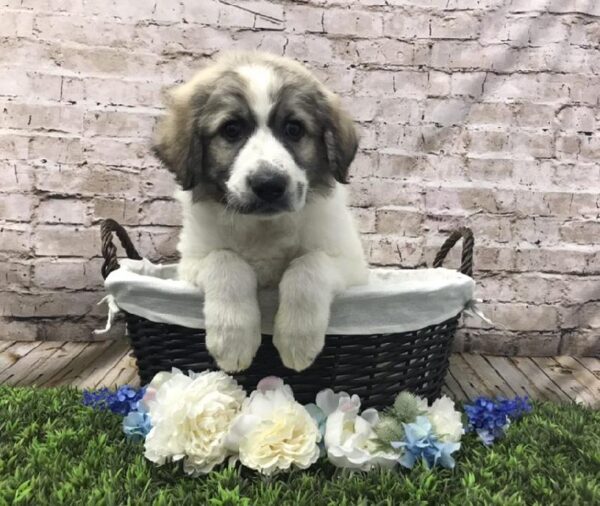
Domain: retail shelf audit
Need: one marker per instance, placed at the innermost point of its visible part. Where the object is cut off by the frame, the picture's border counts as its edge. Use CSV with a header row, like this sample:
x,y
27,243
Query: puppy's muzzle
x,y
269,186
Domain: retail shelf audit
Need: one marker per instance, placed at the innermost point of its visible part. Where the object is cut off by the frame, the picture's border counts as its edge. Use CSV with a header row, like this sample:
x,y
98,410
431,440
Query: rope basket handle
x,y
109,250
466,234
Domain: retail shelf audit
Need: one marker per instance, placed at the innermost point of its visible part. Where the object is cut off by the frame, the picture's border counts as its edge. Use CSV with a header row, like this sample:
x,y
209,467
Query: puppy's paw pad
x,y
233,349
298,351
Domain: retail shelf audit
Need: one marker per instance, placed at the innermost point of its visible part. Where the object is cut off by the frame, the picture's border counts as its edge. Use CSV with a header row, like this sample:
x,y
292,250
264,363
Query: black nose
x,y
268,186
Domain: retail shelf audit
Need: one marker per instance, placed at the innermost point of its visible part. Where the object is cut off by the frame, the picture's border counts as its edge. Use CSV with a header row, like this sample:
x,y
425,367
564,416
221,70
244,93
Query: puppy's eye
x,y
232,131
293,130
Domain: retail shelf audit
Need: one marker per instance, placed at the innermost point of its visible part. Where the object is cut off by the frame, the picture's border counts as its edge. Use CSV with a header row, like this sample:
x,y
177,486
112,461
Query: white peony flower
x,y
191,416
445,420
274,432
350,440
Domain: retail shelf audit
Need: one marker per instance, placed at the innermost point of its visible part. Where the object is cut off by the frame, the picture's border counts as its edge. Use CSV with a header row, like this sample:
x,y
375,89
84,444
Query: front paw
x,y
299,337
233,336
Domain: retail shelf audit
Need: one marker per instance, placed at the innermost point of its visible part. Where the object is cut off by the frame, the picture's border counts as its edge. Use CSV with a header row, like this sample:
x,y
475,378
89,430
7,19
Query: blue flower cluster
x,y
421,443
125,401
121,402
490,418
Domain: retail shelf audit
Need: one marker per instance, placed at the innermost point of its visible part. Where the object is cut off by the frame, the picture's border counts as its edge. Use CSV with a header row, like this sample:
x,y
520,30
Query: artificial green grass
x,y
55,451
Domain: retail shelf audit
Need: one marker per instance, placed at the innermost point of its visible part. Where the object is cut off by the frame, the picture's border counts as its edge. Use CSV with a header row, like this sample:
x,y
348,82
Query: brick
x,y
535,344
365,164
489,170
16,207
113,151
378,192
400,26
580,232
119,123
392,250
458,25
56,28
534,115
374,82
493,114
61,118
112,91
16,23
125,211
400,221
581,289
494,258
439,83
72,274
48,304
206,12
15,275
25,83
469,84
86,180
364,217
309,48
525,317
18,330
66,211
557,259
67,241
157,182
57,149
158,244
353,22
577,118
15,239
13,147
581,343
471,199
15,176
339,78
137,11
446,112
582,316
382,51
304,18
62,329
162,212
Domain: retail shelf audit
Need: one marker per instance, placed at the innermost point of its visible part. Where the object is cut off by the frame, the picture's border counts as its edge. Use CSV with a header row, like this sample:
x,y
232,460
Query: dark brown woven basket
x,y
376,367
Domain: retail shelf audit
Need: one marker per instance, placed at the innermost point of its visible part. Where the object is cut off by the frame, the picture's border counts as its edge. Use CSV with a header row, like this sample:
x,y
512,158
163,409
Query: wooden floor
x,y
109,363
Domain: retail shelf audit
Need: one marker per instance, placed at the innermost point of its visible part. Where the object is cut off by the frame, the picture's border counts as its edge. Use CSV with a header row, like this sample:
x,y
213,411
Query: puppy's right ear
x,y
178,143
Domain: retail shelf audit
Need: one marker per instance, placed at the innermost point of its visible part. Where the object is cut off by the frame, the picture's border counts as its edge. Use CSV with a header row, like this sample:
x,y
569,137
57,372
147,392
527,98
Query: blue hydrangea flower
x,y
97,399
125,399
318,415
137,424
490,418
121,402
421,443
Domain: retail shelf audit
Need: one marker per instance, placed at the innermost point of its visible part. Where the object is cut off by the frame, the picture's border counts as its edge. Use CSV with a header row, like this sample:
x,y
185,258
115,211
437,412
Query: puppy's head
x,y
257,133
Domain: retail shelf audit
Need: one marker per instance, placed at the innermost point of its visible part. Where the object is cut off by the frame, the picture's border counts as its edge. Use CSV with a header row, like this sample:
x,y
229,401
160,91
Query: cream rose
x,y
191,416
273,432
445,420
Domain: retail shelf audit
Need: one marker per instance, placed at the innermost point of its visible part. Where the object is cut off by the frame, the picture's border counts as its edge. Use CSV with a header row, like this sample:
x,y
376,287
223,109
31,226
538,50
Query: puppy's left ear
x,y
341,140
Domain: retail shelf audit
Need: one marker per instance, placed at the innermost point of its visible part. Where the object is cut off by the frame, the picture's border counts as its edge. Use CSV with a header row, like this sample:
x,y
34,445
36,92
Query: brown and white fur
x,y
261,148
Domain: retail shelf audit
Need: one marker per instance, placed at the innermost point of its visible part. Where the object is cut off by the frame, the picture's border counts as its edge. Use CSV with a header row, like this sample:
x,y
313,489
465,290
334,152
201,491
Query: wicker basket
x,y
376,367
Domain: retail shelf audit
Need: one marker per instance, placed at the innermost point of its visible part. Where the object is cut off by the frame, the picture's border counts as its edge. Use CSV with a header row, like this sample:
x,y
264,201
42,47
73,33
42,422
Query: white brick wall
x,y
476,112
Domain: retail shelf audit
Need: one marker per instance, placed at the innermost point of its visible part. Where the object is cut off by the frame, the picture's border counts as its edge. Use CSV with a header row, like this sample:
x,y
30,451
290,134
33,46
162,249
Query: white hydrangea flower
x,y
446,420
191,416
273,432
350,439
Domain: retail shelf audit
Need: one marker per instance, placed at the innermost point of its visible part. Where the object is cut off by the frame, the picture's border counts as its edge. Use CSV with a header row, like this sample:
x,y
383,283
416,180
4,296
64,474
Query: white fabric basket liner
x,y
393,301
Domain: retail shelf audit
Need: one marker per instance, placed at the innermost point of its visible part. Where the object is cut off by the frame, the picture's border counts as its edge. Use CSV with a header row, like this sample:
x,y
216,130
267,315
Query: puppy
x,y
261,150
